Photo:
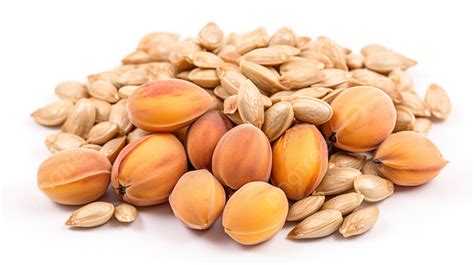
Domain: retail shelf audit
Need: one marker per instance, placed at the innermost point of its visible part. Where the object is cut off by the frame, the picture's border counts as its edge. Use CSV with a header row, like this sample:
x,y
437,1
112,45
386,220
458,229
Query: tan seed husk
x,y
345,203
102,110
137,76
302,77
53,114
386,61
211,36
273,55
281,95
250,104
204,59
337,180
71,90
125,213
374,188
235,118
92,146
119,116
136,134
126,91
405,119
102,132
221,93
317,57
284,36
401,79
81,118
278,118
91,215
345,159
320,224
369,168
438,101
137,57
159,44
159,70
359,221
261,76
332,51
230,105
111,76
267,102
313,91
183,75
422,125
417,106
372,48
252,40
334,77
300,63
367,77
112,148
310,110
333,94
231,80
216,104
305,207
206,78
229,54
354,61
63,141
104,90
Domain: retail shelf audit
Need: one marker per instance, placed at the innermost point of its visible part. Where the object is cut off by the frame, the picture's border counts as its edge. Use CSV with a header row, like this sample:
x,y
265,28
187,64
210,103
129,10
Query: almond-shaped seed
x,y
278,118
305,207
302,77
334,77
119,116
367,77
183,75
206,78
405,119
204,59
284,36
137,57
369,168
372,48
332,51
235,118
386,61
126,91
81,118
221,93
273,55
261,76
345,203
250,104
320,224
137,76
333,94
102,132
417,106
53,114
317,57
252,40
136,134
125,213
337,180
211,36
62,141
359,221
267,102
374,188
313,91
216,104
422,125
345,159
401,79
298,63
92,146
111,76
112,148
102,110
91,215
281,95
71,90
438,101
231,80
229,54
310,110
230,105
354,61
104,90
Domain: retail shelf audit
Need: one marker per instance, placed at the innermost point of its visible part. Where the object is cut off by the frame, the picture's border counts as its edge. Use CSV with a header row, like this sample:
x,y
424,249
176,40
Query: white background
x,y
45,42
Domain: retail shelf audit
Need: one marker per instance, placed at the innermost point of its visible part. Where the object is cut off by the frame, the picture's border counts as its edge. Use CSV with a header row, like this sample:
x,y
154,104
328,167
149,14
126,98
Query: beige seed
x,y
250,104
273,55
111,76
284,36
374,188
92,146
104,90
230,104
252,40
295,63
345,159
137,76
320,224
137,57
235,118
330,49
112,148
125,213
365,77
158,44
422,125
119,116
354,61
261,76
413,102
401,79
183,75
206,60
372,48
333,94
102,132
91,215
63,141
334,77
126,91
81,118
278,118
386,61
359,221
438,101
281,95
102,110
136,134
53,114
313,91
211,36
71,90
310,110
405,119
317,57
221,93
305,207
231,80
345,203
337,180
369,168
206,78
302,77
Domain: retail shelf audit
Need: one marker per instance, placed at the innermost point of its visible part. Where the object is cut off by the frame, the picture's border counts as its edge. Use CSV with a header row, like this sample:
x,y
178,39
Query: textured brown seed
x,y
374,188
345,203
304,208
104,90
413,102
211,36
320,224
112,148
206,78
125,213
91,215
102,110
422,125
102,132
359,222
386,61
345,159
62,141
81,118
119,116
71,90
405,119
337,180
250,104
438,101
53,114
278,118
261,76
310,110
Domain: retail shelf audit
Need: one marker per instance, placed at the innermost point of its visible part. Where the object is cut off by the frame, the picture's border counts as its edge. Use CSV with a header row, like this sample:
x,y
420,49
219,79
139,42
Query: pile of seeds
x,y
329,127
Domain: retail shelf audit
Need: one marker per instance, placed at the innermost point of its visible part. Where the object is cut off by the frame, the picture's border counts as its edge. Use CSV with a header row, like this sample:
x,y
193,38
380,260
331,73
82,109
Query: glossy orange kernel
x,y
300,160
74,176
255,213
408,159
242,155
146,170
203,136
167,105
363,117
198,199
